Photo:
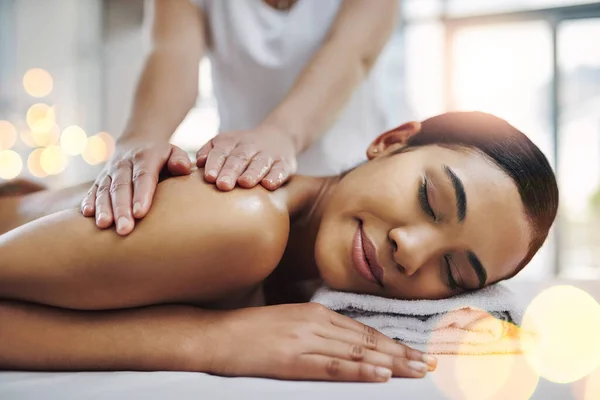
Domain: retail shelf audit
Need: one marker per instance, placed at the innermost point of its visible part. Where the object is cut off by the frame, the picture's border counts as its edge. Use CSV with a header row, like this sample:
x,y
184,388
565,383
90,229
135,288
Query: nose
x,y
414,246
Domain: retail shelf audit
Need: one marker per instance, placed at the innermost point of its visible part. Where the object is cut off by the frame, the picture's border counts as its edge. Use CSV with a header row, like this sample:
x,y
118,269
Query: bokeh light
x,y
8,135
53,161
46,138
10,164
567,322
109,141
96,151
483,376
41,117
27,138
34,164
38,82
73,140
592,386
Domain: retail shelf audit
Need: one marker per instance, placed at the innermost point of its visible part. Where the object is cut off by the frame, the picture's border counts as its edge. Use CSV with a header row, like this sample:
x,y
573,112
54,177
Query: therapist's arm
x,y
267,154
167,90
353,44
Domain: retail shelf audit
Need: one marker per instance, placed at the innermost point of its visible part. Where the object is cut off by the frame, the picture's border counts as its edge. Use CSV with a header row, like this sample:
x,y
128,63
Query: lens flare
x,y
109,141
73,140
8,135
567,322
592,386
46,138
34,164
506,375
41,117
53,161
10,164
95,151
38,82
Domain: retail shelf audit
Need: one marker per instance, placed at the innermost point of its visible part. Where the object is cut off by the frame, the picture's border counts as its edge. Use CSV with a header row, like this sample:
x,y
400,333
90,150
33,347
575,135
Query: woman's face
x,y
428,223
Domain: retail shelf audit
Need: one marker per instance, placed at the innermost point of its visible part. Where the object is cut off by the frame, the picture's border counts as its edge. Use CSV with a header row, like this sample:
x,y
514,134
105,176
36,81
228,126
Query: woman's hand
x,y
124,190
262,155
309,342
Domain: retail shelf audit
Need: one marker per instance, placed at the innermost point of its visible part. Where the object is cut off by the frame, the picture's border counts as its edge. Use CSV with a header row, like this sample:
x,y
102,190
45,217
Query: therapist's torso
x,y
257,52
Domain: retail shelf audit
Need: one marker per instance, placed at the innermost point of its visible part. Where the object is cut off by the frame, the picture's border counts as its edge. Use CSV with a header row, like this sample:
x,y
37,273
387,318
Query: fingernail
x,y
101,217
383,372
137,207
87,209
417,366
122,223
226,180
212,173
430,361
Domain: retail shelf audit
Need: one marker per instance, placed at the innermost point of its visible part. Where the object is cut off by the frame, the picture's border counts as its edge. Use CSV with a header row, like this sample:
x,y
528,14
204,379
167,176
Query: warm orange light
x,y
34,164
38,82
95,151
10,164
41,117
46,138
567,321
53,161
109,141
73,140
8,135
484,376
27,138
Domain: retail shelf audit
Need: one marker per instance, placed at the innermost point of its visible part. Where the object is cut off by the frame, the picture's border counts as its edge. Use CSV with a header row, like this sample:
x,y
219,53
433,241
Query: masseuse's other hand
x,y
262,155
309,342
125,188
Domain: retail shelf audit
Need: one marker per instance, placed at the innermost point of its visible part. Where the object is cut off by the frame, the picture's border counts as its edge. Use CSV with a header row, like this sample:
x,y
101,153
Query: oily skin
x,y
384,195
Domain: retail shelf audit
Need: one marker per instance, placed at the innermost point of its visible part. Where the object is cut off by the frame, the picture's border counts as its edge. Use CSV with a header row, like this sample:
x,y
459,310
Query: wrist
x,y
295,135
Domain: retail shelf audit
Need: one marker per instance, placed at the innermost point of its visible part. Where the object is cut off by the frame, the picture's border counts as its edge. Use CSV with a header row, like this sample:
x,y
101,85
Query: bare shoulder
x,y
246,229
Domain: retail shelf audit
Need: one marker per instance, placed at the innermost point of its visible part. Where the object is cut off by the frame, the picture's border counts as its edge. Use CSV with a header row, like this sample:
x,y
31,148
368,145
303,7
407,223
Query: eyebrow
x,y
459,192
478,268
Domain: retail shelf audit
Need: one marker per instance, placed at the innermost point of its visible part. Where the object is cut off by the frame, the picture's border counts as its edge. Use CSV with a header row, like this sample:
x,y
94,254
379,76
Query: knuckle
x,y
370,330
242,156
102,190
116,186
369,341
262,159
122,163
357,352
333,367
141,173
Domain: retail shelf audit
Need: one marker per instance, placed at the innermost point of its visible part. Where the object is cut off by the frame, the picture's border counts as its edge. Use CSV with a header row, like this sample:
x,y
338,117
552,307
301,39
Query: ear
x,y
393,139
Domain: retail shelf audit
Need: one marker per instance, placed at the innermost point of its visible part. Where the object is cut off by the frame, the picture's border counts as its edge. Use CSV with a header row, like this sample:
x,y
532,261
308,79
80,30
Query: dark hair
x,y
512,151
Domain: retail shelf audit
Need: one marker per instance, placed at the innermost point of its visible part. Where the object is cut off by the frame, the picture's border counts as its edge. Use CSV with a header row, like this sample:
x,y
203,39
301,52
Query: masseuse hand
x,y
262,155
125,188
308,342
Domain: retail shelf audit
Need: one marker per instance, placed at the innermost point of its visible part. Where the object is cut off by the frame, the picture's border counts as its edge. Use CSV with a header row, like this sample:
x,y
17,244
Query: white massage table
x,y
176,385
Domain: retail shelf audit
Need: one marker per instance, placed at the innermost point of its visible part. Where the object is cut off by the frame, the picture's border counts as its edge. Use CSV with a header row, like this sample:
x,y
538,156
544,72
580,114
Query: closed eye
x,y
451,281
424,200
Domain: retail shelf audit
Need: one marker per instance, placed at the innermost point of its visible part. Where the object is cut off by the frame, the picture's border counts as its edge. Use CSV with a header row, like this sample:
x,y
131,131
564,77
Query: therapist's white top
x,y
257,52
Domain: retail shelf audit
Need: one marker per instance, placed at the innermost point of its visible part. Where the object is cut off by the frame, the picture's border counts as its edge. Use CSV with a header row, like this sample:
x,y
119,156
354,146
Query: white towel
x,y
480,322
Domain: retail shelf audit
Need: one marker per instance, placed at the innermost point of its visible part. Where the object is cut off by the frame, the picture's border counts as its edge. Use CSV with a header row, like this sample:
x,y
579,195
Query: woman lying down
x,y
449,205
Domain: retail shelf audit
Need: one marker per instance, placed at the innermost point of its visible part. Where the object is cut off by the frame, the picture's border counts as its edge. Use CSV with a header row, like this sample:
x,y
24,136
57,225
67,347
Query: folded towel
x,y
480,322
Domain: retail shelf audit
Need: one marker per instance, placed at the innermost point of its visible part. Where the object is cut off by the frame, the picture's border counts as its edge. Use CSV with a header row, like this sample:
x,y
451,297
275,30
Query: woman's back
x,y
200,245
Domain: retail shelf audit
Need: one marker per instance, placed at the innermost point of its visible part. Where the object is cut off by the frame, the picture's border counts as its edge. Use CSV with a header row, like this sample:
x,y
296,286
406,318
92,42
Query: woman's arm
x,y
303,341
36,337
182,251
354,42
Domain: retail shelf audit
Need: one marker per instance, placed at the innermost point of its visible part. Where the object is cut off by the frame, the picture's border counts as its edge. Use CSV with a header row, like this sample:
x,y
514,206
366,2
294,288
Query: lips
x,y
364,257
